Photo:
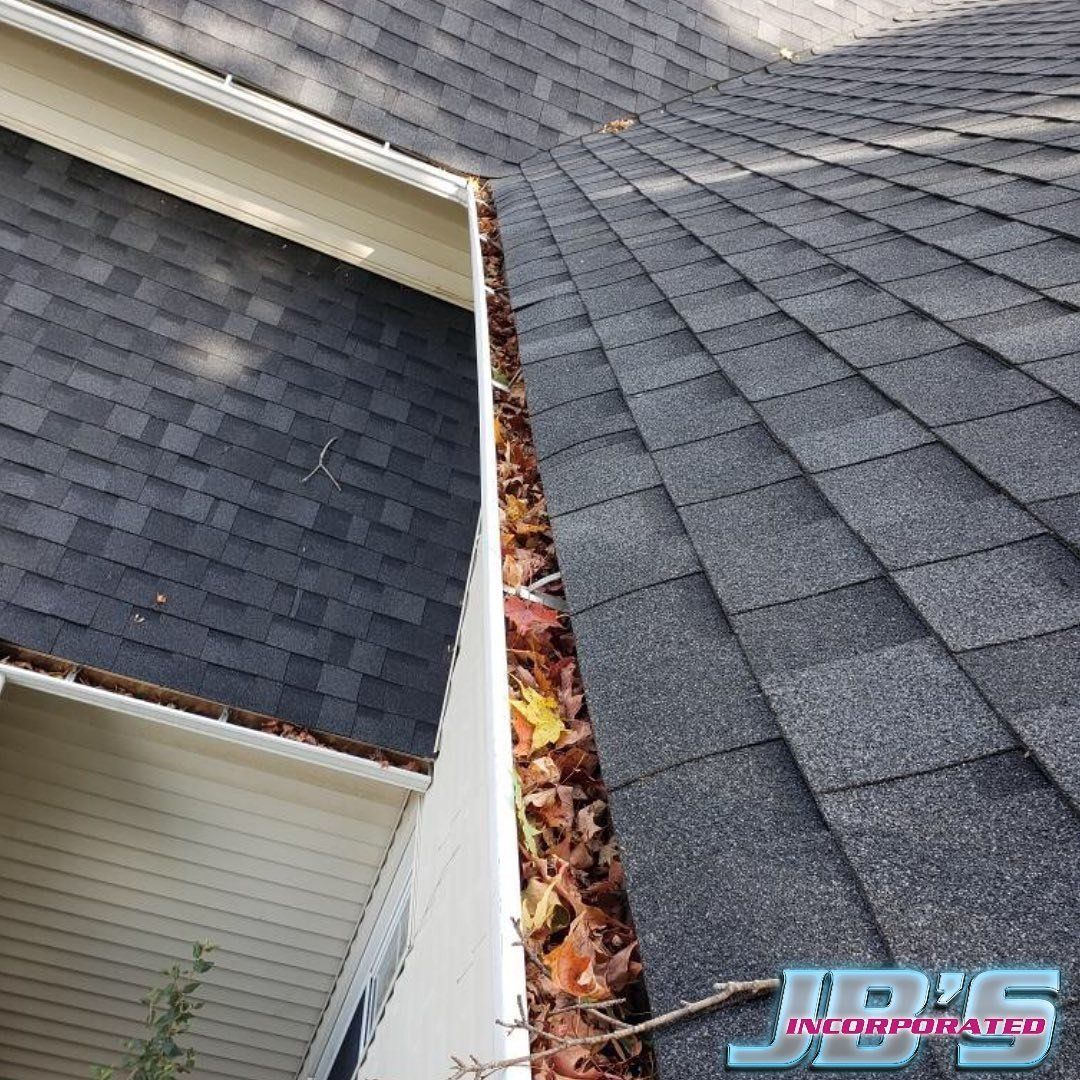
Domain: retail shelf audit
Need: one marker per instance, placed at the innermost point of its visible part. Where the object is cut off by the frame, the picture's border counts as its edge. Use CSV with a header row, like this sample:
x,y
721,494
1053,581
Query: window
x,y
375,980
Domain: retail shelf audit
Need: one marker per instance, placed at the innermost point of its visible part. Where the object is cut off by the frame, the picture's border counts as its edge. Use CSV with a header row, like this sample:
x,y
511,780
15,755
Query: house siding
x,y
452,987
125,840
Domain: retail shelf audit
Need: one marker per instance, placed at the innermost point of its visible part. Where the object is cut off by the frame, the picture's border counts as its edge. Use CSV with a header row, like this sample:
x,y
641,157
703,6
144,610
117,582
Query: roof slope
x,y
481,84
801,354
167,377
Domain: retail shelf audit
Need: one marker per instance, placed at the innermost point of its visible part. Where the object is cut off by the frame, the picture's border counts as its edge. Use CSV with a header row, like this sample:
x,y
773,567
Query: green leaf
x,y
170,1009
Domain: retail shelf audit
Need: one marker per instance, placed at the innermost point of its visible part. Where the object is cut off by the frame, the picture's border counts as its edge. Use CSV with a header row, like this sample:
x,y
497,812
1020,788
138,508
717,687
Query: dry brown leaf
x,y
529,618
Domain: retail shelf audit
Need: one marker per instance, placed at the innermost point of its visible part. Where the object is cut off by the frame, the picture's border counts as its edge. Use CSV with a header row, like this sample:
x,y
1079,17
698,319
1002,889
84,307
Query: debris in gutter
x,y
728,993
29,660
584,991
556,603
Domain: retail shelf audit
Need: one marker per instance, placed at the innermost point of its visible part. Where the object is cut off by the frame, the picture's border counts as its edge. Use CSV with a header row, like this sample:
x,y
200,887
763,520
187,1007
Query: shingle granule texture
x,y
167,378
848,339
481,84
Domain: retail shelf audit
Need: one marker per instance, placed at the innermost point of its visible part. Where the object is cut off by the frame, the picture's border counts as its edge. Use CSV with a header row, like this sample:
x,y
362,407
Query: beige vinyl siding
x,y
170,141
123,840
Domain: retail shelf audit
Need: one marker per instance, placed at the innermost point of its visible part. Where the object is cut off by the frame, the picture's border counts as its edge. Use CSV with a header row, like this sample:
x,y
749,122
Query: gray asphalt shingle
x,y
775,544
880,488
739,460
158,413
695,696
733,842
1033,453
910,842
620,546
923,505
1016,591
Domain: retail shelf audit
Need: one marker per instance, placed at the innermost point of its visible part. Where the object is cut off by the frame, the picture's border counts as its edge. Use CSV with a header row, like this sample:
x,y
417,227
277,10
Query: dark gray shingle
x,y
923,505
695,696
186,371
775,544
910,842
905,505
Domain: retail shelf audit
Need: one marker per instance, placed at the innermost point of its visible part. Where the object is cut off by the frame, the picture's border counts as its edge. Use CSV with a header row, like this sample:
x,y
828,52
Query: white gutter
x,y
221,91
236,734
509,957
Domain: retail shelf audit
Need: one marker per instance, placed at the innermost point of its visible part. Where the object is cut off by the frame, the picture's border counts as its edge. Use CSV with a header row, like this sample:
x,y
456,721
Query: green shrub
x,y
169,1012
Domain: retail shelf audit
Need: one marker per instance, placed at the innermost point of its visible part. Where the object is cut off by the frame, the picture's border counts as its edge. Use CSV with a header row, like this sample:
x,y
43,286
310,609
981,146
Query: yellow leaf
x,y
540,907
515,508
541,713
529,832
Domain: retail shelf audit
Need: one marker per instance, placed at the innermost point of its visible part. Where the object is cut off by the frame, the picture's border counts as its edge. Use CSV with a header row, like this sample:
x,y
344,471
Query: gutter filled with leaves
x,y
582,962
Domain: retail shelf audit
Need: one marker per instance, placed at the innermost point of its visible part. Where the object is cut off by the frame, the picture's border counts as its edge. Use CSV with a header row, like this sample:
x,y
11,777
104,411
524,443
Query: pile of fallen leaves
x,y
580,946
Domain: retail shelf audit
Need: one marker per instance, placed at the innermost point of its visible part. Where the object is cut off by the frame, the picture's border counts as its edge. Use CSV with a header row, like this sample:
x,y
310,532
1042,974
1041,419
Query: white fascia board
x,y
318,756
186,78
500,757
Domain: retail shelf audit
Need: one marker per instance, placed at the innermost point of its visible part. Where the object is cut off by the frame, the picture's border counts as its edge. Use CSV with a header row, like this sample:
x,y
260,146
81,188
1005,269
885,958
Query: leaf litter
x,y
576,929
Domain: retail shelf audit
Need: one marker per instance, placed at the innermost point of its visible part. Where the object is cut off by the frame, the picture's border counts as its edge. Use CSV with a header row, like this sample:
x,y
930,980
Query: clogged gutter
x,y
12,655
582,956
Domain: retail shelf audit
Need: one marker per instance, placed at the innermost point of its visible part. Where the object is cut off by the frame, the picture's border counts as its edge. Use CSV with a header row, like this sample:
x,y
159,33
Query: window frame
x,y
371,986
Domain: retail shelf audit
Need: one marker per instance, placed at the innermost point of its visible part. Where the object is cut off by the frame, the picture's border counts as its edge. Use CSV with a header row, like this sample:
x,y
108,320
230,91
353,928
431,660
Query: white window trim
x,y
397,904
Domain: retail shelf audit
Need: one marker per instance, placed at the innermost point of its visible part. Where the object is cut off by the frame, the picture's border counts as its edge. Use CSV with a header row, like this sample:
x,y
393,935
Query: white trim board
x,y
146,114
219,730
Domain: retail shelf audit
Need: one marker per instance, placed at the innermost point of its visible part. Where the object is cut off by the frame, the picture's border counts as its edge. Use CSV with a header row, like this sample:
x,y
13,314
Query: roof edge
x,y
95,686
222,91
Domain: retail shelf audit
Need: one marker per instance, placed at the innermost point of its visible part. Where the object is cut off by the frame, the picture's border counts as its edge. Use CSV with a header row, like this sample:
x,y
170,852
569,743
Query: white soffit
x,y
183,130
124,839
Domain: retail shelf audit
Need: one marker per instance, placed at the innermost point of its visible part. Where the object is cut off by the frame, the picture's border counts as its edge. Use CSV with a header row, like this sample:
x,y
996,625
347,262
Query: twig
x,y
728,992
321,466
522,1024
614,1021
530,952
532,1029
583,1006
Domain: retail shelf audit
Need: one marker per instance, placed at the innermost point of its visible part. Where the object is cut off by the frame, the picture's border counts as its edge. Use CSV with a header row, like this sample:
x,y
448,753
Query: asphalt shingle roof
x,y
479,85
837,304
167,377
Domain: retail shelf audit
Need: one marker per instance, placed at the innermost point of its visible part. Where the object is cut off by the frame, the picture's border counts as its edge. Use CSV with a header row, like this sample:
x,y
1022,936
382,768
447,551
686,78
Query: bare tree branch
x,y
588,1006
321,466
727,993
